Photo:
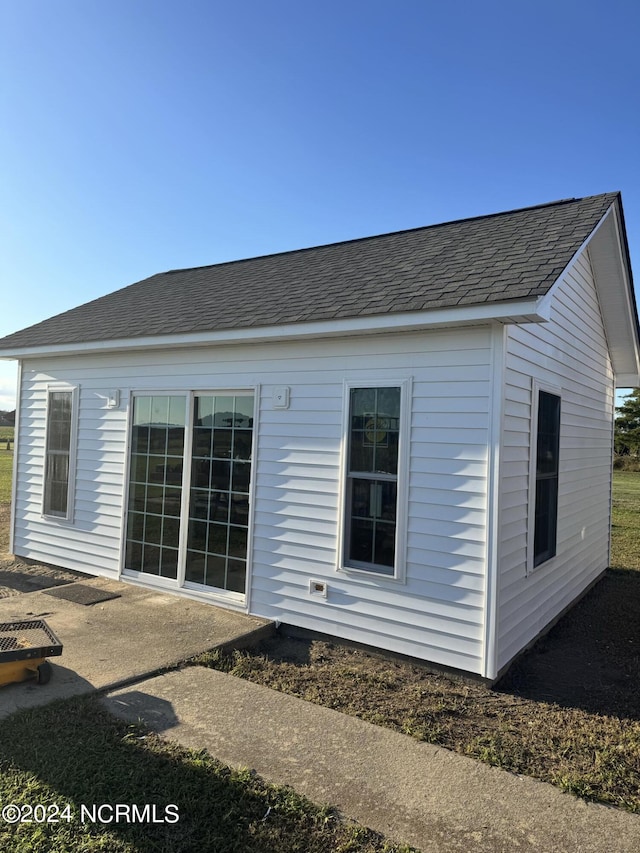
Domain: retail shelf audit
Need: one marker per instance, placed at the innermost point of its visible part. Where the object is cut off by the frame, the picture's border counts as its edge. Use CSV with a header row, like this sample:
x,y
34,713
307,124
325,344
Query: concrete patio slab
x,y
119,641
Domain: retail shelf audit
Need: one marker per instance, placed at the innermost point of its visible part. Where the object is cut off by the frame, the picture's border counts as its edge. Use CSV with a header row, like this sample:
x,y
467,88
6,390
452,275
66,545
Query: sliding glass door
x,y
155,485
213,432
219,491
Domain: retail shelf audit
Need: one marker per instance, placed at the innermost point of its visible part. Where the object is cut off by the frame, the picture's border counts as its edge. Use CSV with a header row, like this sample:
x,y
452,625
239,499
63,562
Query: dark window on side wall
x,y
547,453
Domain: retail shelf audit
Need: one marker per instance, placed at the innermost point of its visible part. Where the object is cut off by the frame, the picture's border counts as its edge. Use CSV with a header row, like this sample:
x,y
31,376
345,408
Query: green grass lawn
x,y
6,463
625,522
6,471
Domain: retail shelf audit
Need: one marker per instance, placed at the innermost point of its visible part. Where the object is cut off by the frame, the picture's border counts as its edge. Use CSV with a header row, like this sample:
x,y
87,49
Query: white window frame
x,y
402,481
56,388
536,387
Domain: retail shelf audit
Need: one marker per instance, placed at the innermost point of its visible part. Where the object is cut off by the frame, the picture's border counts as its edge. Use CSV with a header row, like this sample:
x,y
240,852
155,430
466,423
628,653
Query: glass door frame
x,y
183,583
180,582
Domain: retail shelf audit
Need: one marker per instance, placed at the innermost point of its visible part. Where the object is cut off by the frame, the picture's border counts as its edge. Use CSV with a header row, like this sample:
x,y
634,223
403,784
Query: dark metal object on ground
x,y
24,645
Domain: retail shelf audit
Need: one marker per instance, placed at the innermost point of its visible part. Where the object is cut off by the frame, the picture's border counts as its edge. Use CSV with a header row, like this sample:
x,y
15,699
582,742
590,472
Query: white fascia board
x,y
621,310
615,295
627,380
514,311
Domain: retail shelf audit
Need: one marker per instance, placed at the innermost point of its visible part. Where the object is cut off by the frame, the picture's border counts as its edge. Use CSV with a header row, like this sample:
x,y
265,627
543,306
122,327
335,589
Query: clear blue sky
x,y
143,135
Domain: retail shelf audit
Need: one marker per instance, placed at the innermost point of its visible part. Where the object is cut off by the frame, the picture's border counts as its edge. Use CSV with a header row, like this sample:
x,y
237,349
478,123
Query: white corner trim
x,y
14,484
496,418
612,413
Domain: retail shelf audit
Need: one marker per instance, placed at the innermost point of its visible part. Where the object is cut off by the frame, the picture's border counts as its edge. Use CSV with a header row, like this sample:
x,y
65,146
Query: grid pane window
x,y
374,430
219,499
155,485
547,468
57,461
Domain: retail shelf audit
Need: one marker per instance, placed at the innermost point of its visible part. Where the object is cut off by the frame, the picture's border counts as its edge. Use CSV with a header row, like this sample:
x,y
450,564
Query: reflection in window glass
x,y
219,499
547,468
220,470
155,485
374,430
56,478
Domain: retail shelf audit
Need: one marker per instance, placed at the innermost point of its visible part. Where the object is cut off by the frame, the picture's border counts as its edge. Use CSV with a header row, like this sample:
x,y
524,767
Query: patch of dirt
x,y
591,659
17,576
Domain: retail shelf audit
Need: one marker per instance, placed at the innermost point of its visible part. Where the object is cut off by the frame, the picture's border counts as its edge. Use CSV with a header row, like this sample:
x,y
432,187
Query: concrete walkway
x,y
411,791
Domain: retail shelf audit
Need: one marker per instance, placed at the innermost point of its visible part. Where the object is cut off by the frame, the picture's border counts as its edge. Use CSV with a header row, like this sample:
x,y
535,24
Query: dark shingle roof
x,y
489,259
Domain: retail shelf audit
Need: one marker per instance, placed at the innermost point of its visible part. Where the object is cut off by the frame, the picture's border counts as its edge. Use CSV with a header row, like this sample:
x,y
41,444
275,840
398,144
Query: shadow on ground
x,y
17,576
14,582
184,800
591,659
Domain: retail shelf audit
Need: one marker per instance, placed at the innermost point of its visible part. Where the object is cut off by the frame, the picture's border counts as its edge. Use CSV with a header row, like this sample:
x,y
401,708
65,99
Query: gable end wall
x,y
571,353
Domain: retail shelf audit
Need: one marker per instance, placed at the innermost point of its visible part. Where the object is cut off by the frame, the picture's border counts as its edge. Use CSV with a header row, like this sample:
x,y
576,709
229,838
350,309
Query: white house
x,y
403,440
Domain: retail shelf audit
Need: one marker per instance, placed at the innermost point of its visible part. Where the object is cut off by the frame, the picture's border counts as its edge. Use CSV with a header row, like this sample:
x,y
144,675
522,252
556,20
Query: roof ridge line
x,y
570,200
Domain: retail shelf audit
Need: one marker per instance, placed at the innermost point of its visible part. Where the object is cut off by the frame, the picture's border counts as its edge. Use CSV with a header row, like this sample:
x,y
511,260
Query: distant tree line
x,y
627,430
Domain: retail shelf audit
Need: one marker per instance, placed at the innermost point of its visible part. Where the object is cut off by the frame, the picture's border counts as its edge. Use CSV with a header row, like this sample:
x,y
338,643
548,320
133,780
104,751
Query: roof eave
x,y
608,255
534,310
628,380
611,265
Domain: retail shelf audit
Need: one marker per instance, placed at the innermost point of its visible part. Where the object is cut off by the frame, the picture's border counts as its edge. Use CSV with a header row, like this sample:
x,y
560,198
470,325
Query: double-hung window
x,y
375,445
58,468
547,450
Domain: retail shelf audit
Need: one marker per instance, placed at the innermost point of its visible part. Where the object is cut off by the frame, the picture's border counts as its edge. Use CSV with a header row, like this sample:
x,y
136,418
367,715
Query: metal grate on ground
x,y
28,635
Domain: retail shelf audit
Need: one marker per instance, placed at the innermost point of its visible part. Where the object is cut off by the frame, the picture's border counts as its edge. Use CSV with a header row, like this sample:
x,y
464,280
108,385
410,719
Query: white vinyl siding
x,y
437,613
91,542
568,354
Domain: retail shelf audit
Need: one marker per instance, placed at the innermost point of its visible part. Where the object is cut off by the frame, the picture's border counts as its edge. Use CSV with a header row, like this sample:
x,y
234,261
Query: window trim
x,y
536,388
402,480
56,388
